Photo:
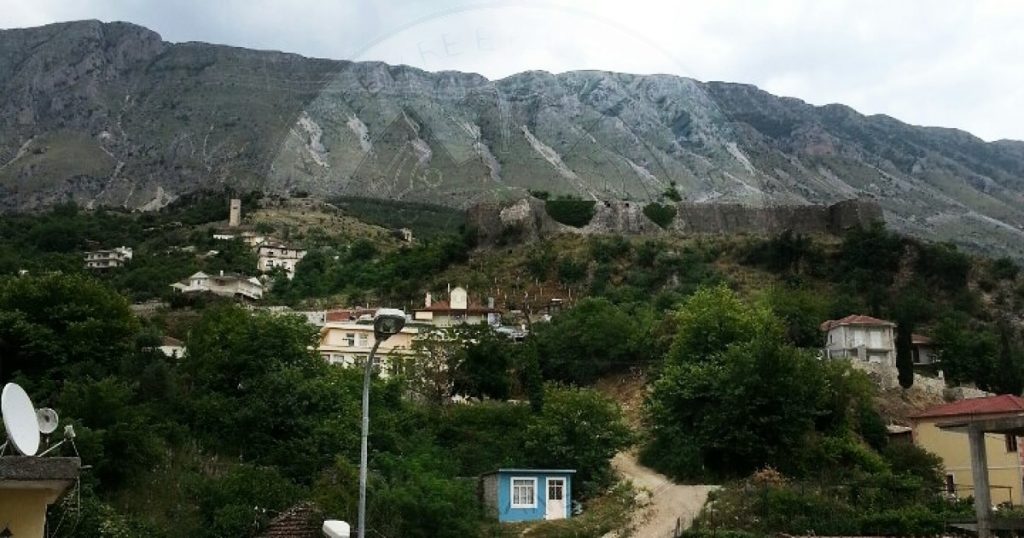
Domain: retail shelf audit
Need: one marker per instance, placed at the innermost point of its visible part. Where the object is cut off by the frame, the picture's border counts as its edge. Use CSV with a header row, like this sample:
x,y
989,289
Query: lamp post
x,y
386,323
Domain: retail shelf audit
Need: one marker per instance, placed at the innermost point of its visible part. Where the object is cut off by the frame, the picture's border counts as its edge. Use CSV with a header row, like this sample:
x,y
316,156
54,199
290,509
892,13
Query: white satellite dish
x,y
20,419
47,420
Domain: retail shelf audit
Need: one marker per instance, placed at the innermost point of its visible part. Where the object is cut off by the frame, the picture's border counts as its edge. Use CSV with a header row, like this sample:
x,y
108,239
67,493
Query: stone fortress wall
x,y
527,218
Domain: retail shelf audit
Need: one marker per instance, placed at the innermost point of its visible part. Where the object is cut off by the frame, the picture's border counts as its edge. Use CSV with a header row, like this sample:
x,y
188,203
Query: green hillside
x,y
724,330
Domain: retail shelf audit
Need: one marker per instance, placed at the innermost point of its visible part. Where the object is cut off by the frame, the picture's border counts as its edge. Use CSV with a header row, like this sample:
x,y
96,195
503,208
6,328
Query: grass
x,y
425,220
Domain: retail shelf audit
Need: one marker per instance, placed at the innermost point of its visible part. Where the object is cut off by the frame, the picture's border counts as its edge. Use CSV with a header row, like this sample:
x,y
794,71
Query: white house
x,y
225,284
108,259
923,349
172,347
861,337
272,255
456,310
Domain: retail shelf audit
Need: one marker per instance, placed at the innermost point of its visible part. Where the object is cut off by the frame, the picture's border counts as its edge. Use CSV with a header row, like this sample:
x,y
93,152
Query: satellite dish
x,y
47,420
20,419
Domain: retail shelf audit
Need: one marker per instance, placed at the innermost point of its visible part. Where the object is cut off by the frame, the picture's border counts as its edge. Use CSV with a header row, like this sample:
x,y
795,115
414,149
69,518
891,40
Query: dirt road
x,y
669,502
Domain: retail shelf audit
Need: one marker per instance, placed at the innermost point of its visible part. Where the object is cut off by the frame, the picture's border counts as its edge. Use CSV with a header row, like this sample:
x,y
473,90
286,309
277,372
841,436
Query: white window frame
x,y
512,491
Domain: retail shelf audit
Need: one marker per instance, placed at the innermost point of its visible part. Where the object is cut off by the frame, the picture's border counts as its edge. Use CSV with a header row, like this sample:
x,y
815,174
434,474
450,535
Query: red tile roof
x,y
443,306
300,521
991,405
920,339
348,314
855,319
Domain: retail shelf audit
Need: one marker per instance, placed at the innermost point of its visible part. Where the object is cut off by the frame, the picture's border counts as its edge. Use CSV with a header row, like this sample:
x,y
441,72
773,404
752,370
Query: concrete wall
x,y
23,511
1004,468
526,219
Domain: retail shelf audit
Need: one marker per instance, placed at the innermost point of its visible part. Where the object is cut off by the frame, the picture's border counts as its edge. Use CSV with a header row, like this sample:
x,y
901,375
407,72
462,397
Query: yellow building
x,y
348,343
1005,454
28,485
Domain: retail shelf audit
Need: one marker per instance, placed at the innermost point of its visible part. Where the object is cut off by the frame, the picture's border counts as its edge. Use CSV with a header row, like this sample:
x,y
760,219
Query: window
x,y
950,485
524,492
363,341
1011,443
350,339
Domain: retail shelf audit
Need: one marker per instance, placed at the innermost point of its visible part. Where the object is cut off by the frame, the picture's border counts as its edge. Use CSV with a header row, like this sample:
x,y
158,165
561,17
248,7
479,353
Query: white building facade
x,y
273,255
860,337
108,259
226,285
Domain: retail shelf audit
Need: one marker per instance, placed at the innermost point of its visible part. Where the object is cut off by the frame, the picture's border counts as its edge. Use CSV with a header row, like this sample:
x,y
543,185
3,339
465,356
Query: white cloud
x,y
933,62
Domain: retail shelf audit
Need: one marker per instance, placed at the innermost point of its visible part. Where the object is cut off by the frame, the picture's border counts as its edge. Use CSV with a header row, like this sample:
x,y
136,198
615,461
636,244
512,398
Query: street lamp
x,y
386,323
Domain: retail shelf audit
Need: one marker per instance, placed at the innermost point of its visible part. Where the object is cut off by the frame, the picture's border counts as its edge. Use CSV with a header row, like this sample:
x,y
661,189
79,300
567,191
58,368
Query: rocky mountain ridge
x,y
110,114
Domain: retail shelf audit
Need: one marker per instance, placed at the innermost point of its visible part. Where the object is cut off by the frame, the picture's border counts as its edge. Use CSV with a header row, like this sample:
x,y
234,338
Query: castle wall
x,y
527,219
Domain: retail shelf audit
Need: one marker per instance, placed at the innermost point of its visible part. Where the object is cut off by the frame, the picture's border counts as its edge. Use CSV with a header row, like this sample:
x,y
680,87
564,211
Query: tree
x,y
578,429
57,326
590,340
968,350
483,367
747,407
904,354
1008,365
800,310
910,307
713,319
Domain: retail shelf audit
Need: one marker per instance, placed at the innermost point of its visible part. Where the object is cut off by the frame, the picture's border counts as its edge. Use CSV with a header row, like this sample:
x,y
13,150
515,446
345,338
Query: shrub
x,y
1004,269
575,213
662,215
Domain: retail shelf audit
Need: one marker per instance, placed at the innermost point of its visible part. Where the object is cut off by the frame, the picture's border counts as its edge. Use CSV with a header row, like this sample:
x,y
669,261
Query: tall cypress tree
x,y
904,353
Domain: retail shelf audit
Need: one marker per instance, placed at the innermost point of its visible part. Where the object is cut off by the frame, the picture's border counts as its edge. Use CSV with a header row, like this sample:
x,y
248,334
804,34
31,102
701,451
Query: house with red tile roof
x,y
860,337
456,310
1004,452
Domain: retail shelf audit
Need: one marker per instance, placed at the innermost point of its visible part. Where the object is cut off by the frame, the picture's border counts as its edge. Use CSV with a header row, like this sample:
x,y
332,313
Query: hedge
x,y
575,213
662,215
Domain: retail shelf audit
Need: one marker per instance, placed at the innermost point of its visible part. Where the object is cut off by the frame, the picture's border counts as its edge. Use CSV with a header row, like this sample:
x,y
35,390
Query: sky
x,y
928,62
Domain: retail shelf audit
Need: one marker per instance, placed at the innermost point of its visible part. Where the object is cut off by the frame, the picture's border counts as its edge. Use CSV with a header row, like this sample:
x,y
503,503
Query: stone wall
x,y
527,219
887,378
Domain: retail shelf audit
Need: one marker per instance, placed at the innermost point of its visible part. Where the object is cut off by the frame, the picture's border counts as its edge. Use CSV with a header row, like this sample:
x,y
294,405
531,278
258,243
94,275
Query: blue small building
x,y
528,494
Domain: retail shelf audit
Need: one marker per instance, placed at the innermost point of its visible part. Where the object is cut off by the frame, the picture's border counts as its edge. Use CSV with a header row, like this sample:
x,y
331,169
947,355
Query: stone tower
x,y
236,213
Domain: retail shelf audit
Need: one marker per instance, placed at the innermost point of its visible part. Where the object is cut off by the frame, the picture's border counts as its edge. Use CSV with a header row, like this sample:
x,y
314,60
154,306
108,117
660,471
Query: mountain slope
x,y
110,114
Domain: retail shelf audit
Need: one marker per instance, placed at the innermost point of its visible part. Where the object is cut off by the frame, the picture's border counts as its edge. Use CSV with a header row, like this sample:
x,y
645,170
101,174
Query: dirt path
x,y
669,502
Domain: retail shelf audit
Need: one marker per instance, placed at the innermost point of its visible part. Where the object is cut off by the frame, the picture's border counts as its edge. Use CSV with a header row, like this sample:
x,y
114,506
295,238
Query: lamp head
x,y
388,322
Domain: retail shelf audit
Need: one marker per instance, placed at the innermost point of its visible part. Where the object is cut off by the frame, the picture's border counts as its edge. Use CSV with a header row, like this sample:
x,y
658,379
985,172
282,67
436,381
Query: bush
x,y
662,215
575,213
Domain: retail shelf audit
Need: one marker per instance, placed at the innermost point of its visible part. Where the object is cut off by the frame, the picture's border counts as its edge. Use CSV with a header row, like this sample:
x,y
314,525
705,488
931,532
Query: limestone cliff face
x,y
109,114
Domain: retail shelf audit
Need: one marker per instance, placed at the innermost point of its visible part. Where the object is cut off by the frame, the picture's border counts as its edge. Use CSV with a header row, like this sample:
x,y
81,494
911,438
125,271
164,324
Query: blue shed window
x,y
524,492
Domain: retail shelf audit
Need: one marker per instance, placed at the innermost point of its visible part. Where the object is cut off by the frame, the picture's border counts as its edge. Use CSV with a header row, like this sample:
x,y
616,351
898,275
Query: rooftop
x,y
36,469
856,319
991,405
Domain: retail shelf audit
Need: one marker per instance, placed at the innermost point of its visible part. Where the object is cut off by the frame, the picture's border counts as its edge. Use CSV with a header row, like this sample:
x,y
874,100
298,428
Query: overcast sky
x,y
929,62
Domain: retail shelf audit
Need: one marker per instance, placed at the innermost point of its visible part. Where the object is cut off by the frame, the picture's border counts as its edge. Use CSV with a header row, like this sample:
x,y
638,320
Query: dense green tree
x,y
484,365
57,326
591,339
577,429
713,319
801,311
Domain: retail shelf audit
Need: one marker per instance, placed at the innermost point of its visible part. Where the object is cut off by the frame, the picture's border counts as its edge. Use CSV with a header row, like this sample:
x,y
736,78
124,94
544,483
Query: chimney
x,y
428,300
221,272
490,303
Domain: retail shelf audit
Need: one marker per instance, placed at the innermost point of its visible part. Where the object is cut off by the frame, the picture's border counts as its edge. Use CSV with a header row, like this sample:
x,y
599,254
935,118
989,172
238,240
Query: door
x,y
555,508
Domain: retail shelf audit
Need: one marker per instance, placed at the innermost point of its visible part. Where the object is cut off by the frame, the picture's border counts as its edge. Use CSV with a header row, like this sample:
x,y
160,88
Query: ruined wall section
x,y
526,219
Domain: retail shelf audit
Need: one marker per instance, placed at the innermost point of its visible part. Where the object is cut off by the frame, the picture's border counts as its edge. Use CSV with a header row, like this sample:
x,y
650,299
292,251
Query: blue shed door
x,y
556,499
